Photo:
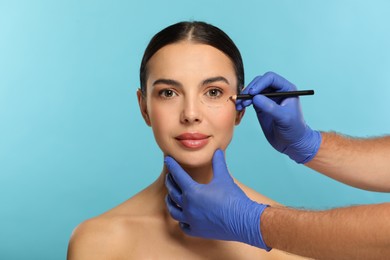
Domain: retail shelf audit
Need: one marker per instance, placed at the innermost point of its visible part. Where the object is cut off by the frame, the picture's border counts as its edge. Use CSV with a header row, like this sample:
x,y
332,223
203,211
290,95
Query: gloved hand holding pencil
x,y
281,118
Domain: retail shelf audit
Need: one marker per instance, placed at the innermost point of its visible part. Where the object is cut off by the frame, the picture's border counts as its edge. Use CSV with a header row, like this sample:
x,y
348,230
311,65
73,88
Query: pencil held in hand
x,y
276,94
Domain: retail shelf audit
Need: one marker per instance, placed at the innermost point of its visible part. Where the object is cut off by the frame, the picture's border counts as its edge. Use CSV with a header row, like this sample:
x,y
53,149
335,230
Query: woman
x,y
188,72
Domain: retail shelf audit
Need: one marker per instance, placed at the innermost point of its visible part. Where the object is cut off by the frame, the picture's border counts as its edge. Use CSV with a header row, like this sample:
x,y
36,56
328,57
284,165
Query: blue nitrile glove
x,y
281,119
217,210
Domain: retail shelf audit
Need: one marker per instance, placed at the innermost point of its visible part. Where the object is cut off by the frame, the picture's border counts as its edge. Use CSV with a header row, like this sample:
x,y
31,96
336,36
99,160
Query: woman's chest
x,y
180,246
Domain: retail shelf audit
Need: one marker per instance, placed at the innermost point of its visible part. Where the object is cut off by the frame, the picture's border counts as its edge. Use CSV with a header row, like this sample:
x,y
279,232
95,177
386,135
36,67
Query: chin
x,y
189,165
193,159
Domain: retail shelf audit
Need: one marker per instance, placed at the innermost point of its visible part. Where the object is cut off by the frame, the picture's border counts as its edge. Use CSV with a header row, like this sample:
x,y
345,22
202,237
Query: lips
x,y
193,140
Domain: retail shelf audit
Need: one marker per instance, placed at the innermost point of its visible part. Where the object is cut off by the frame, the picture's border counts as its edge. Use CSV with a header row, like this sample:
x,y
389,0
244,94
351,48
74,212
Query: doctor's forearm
x,y
359,232
362,163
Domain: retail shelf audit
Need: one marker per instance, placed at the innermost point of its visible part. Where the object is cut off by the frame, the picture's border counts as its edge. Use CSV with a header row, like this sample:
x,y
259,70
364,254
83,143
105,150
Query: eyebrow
x,y
215,79
175,83
169,82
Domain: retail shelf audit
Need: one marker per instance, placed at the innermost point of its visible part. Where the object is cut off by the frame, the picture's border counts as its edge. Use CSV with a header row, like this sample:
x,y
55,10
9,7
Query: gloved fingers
x,y
181,178
290,102
267,106
241,104
239,107
219,165
269,80
173,190
246,89
186,228
174,210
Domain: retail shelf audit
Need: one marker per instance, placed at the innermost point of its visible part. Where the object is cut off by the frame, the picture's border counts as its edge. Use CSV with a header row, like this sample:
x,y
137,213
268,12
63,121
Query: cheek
x,y
162,119
223,121
225,115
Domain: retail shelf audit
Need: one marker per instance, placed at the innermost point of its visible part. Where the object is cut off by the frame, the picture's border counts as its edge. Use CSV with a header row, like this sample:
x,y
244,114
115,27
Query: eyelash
x,y
220,93
163,93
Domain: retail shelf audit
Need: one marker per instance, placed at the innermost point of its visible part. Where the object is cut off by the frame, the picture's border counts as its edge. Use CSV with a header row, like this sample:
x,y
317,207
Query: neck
x,y
202,174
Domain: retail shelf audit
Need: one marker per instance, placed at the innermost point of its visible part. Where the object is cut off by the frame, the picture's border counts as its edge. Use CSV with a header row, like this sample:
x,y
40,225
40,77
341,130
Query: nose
x,y
191,112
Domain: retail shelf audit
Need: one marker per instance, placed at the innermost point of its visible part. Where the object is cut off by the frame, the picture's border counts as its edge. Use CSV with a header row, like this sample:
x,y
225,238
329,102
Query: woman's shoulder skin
x,y
141,228
115,233
98,238
106,236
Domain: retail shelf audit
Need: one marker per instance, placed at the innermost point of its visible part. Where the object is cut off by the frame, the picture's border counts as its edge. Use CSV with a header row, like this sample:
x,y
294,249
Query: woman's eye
x,y
214,93
167,93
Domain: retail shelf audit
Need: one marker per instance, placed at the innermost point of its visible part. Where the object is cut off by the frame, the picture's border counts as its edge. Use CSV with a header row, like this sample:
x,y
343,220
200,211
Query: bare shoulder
x,y
116,233
101,238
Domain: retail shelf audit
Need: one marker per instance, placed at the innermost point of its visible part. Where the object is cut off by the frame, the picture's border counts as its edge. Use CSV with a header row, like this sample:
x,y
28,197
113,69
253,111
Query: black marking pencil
x,y
276,94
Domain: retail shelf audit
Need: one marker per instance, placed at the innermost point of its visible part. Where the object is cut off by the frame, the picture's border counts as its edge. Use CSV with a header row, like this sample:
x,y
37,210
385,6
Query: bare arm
x,y
362,163
359,232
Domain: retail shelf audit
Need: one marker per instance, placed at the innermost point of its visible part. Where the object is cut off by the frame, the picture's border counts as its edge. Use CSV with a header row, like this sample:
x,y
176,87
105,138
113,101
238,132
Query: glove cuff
x,y
253,235
305,150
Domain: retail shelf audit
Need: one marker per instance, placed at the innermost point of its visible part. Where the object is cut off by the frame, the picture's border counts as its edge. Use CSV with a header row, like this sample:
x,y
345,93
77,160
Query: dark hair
x,y
199,32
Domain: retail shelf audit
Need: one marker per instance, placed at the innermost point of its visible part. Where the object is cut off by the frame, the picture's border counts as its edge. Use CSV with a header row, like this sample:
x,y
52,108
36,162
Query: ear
x,y
239,116
143,107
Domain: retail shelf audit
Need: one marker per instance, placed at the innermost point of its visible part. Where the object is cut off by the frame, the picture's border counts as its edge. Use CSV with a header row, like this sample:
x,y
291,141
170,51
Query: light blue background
x,y
73,143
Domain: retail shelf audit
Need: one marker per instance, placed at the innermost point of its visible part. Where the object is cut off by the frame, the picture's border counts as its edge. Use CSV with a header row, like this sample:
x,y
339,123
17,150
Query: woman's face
x,y
187,103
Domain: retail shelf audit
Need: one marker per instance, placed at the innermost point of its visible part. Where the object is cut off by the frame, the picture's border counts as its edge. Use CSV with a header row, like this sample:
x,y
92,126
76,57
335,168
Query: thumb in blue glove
x,y
217,210
281,119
